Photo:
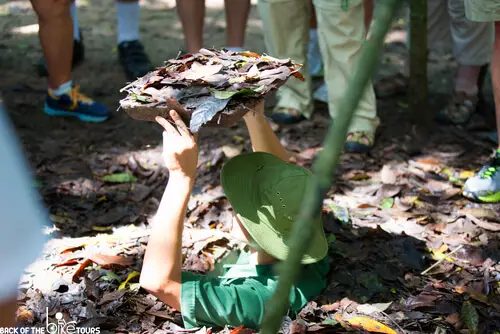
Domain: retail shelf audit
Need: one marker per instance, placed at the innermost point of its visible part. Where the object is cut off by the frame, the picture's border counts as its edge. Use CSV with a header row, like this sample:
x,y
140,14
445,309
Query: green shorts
x,y
482,10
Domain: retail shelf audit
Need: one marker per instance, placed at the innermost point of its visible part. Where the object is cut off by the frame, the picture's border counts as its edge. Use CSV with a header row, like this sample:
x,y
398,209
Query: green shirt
x,y
239,296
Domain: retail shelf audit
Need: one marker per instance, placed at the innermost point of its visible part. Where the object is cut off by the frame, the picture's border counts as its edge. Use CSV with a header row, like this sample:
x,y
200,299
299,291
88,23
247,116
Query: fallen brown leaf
x,y
107,261
81,270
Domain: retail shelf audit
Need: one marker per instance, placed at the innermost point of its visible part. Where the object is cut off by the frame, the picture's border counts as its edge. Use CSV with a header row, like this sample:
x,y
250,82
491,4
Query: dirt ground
x,y
394,212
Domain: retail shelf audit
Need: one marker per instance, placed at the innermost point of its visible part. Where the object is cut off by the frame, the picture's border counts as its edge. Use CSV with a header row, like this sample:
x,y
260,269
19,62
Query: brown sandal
x,y
459,110
359,142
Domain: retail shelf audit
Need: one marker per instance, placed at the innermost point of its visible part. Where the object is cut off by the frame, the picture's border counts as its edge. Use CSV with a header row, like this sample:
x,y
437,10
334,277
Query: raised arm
x,y
262,136
161,269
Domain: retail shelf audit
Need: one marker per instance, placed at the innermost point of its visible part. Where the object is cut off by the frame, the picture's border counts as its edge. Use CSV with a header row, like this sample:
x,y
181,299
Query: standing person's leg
x,y
56,38
485,185
472,47
131,52
313,53
236,23
192,15
341,28
286,26
78,48
438,39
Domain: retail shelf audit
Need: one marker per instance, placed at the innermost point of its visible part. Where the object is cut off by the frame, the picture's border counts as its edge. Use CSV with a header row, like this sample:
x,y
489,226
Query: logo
x,y
58,327
63,327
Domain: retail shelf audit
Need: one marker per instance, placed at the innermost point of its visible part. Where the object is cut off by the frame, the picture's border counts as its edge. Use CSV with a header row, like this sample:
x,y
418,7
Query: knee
x,y
51,9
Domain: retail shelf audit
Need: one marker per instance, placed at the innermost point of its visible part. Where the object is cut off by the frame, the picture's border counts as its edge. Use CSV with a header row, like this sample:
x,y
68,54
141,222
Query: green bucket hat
x,y
266,193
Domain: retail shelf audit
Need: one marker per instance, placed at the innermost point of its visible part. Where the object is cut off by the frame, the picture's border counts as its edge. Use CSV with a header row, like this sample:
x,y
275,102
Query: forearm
x,y
161,271
263,137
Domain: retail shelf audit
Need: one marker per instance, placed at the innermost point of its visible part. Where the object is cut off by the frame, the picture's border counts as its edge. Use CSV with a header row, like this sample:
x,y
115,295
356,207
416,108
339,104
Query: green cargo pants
x,y
341,31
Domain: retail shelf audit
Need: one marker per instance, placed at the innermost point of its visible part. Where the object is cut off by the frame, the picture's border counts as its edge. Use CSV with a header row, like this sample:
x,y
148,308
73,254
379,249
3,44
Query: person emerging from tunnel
x,y
265,192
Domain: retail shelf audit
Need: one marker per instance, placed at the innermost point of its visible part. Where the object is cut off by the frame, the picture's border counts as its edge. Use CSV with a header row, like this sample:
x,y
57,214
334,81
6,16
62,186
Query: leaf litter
x,y
205,84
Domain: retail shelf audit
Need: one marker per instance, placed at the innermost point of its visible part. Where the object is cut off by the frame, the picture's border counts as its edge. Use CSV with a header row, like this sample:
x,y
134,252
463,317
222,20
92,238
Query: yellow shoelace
x,y
76,97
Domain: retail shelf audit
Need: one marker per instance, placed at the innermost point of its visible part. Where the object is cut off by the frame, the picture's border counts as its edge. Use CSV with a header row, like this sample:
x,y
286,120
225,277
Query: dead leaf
x,y
68,262
365,323
241,330
72,249
111,296
199,71
422,300
388,190
495,227
24,316
481,213
107,261
373,308
297,327
81,270
388,175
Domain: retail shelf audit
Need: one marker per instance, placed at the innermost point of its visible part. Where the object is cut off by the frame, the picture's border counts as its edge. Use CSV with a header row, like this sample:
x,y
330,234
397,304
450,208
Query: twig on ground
x,y
441,260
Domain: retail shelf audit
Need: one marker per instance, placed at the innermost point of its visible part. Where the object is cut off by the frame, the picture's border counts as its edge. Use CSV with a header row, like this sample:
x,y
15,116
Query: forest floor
x,y
394,212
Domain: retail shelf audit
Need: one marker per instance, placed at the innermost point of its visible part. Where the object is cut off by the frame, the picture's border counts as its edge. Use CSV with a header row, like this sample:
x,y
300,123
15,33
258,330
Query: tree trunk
x,y
420,113
326,163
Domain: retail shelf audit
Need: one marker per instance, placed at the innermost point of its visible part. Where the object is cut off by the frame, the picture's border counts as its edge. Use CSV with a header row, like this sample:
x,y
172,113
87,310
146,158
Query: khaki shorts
x,y
482,10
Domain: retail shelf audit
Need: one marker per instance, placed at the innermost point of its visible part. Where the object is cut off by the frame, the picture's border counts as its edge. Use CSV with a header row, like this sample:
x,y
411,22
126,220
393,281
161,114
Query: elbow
x,y
149,284
168,291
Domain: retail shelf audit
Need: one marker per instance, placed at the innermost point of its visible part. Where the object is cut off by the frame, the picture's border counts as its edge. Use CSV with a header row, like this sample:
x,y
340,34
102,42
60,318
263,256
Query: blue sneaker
x,y
76,105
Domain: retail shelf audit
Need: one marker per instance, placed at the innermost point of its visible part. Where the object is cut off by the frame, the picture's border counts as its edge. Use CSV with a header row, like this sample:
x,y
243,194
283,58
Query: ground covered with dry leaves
x,y
391,215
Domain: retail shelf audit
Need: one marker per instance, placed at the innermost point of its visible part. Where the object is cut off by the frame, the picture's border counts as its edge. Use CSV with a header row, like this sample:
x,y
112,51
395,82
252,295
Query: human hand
x,y
258,111
180,151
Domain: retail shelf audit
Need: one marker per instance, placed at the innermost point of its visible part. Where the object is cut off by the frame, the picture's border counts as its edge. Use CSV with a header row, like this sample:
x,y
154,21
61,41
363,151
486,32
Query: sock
x,y
76,25
127,15
64,88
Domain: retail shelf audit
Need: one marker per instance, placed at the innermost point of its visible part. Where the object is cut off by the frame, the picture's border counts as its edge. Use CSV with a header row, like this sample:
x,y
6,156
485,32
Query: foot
x,y
134,60
459,110
485,185
76,105
287,116
78,57
359,142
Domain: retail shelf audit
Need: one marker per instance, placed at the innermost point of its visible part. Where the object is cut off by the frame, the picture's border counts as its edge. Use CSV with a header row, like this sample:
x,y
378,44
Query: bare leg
x,y
467,79
236,21
495,74
192,14
56,38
